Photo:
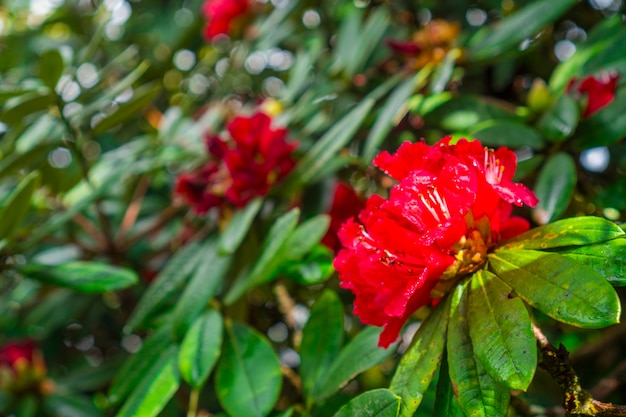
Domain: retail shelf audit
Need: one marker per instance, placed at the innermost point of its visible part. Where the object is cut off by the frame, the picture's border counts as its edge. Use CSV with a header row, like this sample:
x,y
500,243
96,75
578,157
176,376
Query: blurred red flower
x,y
345,204
220,15
451,205
22,365
600,90
246,163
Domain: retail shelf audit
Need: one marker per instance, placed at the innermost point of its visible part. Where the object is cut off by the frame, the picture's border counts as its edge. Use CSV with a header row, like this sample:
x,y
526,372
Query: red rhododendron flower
x,y
220,15
247,162
600,91
451,205
345,204
21,365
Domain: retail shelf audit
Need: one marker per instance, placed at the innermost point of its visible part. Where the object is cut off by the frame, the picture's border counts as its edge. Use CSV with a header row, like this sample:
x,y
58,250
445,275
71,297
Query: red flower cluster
x,y
600,91
245,166
452,204
220,15
346,204
21,365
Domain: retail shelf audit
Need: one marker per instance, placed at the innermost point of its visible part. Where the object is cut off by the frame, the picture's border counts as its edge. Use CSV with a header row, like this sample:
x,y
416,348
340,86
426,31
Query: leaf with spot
x,y
501,331
560,287
479,395
375,403
607,259
446,403
574,231
420,362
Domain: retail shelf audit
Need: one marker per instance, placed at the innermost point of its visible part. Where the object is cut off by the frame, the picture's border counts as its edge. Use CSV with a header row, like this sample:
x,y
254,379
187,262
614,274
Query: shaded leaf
x,y
510,133
559,287
306,236
559,123
446,403
17,204
605,127
68,404
50,67
238,226
501,331
554,187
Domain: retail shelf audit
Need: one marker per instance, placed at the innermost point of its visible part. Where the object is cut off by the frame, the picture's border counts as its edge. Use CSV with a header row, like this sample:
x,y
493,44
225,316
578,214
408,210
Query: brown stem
x,y
610,383
158,223
577,401
132,212
94,233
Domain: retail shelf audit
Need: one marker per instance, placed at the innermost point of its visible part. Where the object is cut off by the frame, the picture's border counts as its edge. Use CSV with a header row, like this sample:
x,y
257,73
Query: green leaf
x,y
139,364
446,403
270,258
17,204
555,187
315,268
502,36
574,231
238,226
360,354
338,136
51,67
391,114
501,331
89,277
496,133
166,284
443,72
248,378
201,348
203,285
19,108
322,337
156,387
605,127
607,259
143,96
306,236
479,395
420,362
375,403
560,287
559,123
68,404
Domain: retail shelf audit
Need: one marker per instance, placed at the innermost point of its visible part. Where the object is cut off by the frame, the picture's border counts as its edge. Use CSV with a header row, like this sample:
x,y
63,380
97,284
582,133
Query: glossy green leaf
x,y
83,276
306,236
390,115
15,207
204,283
328,146
360,354
143,96
50,67
496,133
501,331
560,121
607,259
271,256
573,231
446,403
555,187
315,268
461,113
605,127
238,226
18,108
156,387
201,348
479,395
167,283
375,403
68,404
560,287
248,379
419,363
139,364
322,338
494,40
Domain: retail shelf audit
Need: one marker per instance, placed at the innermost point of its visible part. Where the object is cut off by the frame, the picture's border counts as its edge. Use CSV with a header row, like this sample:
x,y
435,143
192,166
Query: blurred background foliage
x,y
104,103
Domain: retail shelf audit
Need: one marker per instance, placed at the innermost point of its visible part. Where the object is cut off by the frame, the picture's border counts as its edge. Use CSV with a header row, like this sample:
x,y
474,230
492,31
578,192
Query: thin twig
x,y
577,401
132,212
